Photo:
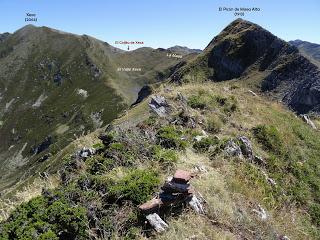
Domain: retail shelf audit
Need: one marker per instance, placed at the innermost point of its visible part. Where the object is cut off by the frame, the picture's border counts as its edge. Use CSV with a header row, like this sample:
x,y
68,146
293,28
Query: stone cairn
x,y
176,190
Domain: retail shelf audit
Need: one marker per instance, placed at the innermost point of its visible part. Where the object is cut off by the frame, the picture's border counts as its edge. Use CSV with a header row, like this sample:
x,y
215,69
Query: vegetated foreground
x,y
255,164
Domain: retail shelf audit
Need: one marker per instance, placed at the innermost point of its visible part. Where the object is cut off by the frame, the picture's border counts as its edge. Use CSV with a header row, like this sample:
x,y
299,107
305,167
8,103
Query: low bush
x,y
99,164
166,157
170,137
314,211
44,220
136,186
204,144
197,101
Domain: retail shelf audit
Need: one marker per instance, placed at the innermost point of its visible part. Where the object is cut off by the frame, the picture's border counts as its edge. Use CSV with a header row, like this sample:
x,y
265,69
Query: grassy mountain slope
x,y
274,194
105,190
55,85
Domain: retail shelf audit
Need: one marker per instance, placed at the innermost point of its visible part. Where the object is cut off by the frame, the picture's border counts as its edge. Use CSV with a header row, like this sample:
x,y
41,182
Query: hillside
x,y
268,192
55,86
211,154
311,50
255,56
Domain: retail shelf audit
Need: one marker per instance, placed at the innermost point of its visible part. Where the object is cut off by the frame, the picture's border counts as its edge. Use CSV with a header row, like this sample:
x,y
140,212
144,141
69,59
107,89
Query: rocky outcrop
x,y
307,119
159,105
232,149
42,146
144,92
246,50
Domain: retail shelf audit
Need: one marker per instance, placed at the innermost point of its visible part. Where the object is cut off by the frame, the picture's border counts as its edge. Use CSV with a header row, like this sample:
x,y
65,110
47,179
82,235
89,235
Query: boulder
x,y
307,119
156,222
85,153
172,187
232,149
246,147
159,105
196,205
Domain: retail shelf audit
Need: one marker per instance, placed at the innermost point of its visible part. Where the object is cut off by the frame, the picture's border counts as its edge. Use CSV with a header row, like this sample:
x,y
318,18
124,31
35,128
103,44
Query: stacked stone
x,y
177,189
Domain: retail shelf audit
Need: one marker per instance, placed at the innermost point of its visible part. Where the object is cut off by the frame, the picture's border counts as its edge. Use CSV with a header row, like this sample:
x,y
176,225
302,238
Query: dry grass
x,y
194,227
32,190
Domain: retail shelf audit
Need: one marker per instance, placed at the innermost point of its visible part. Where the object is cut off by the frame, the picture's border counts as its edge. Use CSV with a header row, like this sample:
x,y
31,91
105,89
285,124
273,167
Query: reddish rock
x,y
151,205
182,176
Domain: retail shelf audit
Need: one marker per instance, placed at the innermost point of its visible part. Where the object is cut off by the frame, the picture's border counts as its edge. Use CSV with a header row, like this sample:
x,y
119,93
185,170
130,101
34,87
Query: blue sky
x,y
163,23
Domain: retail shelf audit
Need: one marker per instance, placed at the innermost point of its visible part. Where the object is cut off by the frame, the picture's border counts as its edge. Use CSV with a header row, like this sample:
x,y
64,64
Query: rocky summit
x,y
246,51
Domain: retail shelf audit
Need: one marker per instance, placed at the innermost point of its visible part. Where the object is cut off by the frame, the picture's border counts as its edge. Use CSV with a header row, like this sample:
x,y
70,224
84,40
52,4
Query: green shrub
x,y
98,146
204,144
71,221
170,137
117,146
46,220
269,137
167,157
197,101
98,164
136,186
314,211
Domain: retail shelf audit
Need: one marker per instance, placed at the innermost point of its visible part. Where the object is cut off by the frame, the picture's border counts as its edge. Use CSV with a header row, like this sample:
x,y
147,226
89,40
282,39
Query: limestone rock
x,y
156,222
232,149
261,212
196,205
159,105
307,119
246,147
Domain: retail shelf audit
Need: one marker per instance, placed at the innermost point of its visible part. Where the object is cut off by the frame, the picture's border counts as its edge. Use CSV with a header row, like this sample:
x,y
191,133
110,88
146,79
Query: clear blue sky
x,y
163,23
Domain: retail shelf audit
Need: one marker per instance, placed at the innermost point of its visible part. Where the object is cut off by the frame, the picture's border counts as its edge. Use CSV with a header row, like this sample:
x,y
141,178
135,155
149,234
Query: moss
x,y
98,146
117,146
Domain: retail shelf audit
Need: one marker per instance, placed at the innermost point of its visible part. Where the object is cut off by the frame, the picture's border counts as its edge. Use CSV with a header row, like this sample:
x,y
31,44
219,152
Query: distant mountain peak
x,y
183,50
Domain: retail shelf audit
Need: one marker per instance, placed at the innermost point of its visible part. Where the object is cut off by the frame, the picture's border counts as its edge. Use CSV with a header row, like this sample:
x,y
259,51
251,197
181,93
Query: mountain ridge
x,y
308,49
245,50
54,85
